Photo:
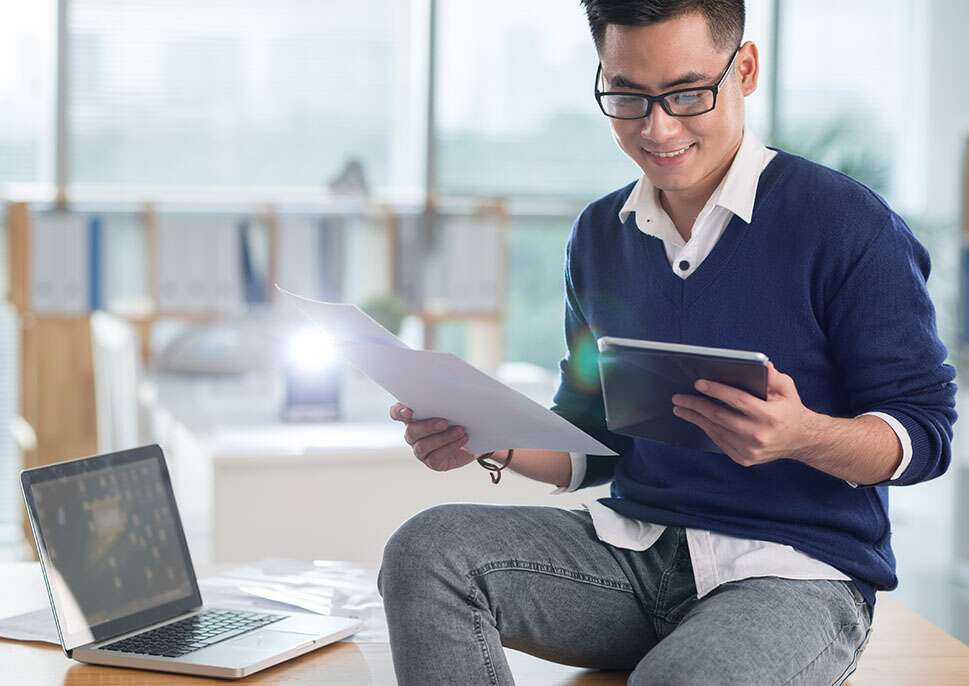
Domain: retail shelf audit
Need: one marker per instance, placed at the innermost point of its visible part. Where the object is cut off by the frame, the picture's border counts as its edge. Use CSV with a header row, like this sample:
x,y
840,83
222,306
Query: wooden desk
x,y
904,649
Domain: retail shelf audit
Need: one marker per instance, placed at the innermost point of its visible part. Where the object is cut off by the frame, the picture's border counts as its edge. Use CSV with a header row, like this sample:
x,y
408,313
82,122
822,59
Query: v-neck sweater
x,y
826,280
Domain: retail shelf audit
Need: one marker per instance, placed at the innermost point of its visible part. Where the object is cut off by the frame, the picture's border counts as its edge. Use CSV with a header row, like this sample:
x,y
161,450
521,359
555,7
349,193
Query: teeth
x,y
675,153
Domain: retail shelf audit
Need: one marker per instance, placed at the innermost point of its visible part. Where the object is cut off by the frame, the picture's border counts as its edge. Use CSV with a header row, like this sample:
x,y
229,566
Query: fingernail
x,y
702,385
460,431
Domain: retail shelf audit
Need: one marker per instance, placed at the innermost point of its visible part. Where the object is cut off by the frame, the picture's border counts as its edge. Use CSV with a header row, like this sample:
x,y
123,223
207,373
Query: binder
x,y
62,261
198,264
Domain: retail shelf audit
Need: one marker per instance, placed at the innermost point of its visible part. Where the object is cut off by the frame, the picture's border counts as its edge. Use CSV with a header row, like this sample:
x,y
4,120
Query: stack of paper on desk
x,y
435,384
327,587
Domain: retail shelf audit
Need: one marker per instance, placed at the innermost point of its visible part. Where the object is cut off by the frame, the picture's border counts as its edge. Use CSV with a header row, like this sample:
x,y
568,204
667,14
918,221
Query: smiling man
x,y
758,565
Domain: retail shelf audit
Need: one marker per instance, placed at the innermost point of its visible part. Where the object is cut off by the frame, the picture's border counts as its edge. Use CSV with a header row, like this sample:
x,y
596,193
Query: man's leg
x,y
459,581
763,631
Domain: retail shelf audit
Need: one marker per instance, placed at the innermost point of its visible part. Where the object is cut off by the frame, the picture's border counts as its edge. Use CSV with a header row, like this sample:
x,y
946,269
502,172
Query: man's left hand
x,y
749,430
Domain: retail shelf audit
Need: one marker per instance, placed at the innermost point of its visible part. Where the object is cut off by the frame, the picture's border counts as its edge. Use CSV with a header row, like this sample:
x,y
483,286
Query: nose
x,y
659,126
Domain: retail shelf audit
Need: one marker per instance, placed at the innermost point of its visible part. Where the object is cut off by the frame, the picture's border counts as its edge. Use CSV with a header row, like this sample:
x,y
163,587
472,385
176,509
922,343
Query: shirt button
x,y
684,265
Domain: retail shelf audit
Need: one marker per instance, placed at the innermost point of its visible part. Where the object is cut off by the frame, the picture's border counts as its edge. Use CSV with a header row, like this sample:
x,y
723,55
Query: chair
x,y
117,374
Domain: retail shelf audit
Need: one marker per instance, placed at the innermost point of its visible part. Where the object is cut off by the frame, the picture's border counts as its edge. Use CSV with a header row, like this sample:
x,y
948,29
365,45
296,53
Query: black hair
x,y
725,18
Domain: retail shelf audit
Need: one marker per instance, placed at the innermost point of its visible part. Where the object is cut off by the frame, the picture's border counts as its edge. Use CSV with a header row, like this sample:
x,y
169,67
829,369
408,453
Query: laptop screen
x,y
111,542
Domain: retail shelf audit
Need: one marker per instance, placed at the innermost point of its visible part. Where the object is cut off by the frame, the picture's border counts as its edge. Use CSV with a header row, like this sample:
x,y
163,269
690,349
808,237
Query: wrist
x,y
817,430
495,462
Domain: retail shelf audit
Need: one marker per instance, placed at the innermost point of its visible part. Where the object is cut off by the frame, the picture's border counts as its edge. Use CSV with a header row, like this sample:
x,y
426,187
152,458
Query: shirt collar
x,y
735,193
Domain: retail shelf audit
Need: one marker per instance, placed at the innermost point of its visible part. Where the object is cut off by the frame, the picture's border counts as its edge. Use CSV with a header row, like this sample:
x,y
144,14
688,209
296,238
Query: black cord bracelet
x,y
495,469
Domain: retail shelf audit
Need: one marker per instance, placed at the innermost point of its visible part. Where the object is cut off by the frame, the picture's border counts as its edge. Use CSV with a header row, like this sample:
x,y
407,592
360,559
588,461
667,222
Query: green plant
x,y
388,310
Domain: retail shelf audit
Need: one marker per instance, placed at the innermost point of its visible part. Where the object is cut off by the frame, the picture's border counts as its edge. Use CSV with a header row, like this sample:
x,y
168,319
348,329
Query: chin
x,y
672,182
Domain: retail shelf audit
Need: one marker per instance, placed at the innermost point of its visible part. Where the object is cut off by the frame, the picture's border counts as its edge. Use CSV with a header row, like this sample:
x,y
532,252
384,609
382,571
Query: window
x,y
843,97
27,80
851,104
496,136
232,93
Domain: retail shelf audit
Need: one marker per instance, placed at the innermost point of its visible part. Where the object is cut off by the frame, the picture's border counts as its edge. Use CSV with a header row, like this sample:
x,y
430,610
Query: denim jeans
x,y
461,581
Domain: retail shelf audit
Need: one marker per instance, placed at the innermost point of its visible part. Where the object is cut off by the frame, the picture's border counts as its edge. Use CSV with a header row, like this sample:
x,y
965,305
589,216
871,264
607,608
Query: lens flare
x,y
311,351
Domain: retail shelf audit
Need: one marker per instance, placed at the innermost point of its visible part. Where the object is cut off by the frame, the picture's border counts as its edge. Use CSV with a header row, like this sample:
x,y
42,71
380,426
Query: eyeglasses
x,y
688,102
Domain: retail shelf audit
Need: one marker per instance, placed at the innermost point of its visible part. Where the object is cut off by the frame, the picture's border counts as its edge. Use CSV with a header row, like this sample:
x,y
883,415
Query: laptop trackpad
x,y
268,639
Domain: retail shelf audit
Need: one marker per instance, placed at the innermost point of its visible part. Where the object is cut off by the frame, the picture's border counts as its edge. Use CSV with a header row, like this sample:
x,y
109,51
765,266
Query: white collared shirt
x,y
716,558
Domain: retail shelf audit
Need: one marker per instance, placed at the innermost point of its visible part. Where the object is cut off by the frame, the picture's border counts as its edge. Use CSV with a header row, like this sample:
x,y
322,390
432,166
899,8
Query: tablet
x,y
639,379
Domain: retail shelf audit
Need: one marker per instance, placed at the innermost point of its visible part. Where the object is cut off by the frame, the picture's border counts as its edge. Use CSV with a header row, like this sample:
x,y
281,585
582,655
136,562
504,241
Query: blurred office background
x,y
163,163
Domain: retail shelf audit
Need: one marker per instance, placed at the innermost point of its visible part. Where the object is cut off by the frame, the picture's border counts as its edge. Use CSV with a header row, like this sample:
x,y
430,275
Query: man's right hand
x,y
435,443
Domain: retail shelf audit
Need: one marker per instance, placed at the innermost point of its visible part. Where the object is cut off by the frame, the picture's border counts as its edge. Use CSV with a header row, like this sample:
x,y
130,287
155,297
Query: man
x,y
756,566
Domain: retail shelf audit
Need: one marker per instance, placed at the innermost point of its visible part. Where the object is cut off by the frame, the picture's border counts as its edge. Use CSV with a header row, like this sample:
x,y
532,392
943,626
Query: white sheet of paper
x,y
31,626
341,321
435,384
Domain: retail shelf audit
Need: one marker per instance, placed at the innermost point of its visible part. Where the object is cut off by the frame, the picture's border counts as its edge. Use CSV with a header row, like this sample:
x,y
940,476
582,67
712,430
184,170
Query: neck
x,y
684,206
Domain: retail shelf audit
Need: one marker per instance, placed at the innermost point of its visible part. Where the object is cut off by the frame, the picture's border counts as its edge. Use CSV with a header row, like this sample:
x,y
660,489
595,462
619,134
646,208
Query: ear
x,y
748,67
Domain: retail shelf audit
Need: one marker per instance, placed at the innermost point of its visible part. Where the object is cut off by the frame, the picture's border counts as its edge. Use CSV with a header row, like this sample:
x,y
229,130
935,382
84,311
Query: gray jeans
x,y
461,581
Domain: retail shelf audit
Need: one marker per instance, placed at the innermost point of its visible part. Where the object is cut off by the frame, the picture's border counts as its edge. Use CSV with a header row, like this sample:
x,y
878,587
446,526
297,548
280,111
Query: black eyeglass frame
x,y
661,98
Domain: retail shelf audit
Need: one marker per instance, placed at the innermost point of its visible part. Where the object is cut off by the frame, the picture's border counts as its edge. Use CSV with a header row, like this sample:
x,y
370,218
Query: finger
x,y
779,383
738,399
716,433
401,413
416,430
450,456
727,441
725,417
424,447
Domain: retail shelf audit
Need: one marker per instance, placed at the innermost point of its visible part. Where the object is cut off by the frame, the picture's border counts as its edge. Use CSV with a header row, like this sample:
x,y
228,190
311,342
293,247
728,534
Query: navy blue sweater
x,y
830,284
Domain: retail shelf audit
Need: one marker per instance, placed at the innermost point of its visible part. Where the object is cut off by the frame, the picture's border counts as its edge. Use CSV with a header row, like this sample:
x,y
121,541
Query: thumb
x,y
778,383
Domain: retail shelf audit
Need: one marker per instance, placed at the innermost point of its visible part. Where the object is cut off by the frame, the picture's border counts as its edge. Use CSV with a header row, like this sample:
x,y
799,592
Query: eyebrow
x,y
620,81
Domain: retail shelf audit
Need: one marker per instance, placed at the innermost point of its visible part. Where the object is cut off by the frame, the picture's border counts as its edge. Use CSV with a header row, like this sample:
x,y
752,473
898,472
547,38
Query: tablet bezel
x,y
660,346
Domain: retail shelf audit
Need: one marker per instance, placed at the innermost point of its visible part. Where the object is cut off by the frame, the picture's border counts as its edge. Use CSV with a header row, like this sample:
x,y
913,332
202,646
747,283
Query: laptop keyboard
x,y
193,633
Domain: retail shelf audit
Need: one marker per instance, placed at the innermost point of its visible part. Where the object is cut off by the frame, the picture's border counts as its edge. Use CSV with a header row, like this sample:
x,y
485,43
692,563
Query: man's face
x,y
675,54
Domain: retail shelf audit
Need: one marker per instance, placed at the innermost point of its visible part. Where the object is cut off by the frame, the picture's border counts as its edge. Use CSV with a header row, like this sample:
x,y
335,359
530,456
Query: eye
x,y
626,101
624,105
691,102
690,98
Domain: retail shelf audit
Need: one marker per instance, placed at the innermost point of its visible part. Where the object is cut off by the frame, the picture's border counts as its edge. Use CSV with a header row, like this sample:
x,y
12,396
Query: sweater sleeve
x,y
882,330
579,395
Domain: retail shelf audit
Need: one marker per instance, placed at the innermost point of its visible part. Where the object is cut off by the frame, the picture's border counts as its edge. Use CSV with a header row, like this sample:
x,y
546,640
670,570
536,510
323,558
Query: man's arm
x,y
548,466
881,328
863,450
440,446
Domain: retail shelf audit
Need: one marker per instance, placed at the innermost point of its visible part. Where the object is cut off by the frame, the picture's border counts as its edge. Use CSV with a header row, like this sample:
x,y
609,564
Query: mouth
x,y
669,157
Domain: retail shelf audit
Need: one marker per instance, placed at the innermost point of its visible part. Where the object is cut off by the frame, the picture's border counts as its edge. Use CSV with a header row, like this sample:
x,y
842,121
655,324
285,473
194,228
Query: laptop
x,y
121,582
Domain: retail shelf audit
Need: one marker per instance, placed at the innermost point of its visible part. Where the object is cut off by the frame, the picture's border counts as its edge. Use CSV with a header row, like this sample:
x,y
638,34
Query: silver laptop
x,y
121,581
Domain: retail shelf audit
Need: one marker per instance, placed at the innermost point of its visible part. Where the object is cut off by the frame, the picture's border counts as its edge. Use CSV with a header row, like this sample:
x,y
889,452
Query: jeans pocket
x,y
675,614
862,612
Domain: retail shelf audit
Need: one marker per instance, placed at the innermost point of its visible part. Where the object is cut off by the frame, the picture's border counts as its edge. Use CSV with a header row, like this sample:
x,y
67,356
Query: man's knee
x,y
657,669
415,552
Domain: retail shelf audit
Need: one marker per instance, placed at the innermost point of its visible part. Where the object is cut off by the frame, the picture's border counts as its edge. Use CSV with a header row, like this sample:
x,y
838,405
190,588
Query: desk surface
x,y
311,442
904,649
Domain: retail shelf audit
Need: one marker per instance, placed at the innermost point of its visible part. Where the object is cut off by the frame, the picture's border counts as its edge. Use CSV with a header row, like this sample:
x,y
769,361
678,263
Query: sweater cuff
x,y
903,438
578,474
900,424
